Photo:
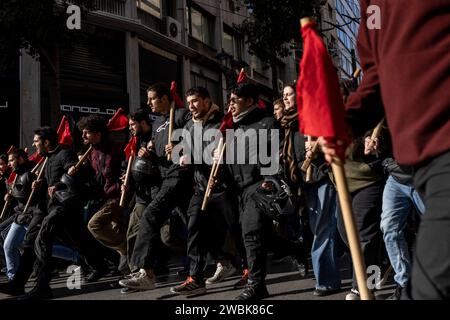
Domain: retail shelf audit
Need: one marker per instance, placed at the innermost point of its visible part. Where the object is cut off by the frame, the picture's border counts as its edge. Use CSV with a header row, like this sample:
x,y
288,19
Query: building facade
x,y
128,44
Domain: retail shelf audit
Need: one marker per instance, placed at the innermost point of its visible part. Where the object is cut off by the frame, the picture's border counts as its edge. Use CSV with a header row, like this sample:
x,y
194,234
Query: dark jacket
x,y
405,66
247,175
401,174
202,170
59,161
160,135
145,183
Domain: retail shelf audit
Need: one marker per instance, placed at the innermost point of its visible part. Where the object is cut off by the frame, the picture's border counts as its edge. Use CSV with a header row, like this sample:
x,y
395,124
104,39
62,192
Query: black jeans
x,y
430,278
148,243
28,256
259,237
207,230
367,207
64,223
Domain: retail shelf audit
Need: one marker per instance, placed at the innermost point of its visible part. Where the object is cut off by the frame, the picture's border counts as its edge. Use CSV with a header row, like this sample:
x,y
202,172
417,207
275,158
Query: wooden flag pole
x,y
126,180
376,131
85,155
8,201
213,174
171,124
350,228
39,177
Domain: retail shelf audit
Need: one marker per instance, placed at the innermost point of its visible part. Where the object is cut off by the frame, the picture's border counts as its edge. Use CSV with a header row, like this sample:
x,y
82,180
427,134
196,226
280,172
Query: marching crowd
x,y
76,214
223,207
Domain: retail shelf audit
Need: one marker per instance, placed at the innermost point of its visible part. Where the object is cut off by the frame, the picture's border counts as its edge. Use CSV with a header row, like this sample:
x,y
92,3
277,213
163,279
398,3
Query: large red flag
x,y
130,148
119,121
320,104
64,134
175,97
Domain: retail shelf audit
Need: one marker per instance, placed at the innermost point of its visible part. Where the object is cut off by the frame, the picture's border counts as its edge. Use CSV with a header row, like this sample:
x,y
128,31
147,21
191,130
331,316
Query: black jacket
x,y
202,170
248,175
59,161
160,135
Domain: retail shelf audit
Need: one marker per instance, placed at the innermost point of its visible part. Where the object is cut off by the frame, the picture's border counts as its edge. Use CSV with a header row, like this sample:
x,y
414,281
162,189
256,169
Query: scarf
x,y
289,122
243,114
212,109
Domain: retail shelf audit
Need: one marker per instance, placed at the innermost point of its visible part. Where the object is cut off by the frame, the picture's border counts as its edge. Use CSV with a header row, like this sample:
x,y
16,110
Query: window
x,y
200,26
232,44
151,6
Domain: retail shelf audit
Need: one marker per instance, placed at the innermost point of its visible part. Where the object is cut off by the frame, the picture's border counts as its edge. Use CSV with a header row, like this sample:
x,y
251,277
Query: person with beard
x,y
145,178
64,219
107,225
175,191
319,195
18,161
206,229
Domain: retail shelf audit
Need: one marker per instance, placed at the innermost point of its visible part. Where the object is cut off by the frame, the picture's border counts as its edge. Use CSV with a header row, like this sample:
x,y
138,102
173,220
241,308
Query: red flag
x,y
175,97
119,121
227,123
130,148
242,77
36,158
320,105
64,134
11,178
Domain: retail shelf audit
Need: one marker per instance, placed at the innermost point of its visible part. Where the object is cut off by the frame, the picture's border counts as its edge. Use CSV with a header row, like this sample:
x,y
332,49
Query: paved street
x,y
283,283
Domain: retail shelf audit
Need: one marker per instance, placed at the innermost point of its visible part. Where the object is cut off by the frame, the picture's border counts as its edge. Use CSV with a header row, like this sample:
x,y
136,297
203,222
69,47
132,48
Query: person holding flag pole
x,y
321,114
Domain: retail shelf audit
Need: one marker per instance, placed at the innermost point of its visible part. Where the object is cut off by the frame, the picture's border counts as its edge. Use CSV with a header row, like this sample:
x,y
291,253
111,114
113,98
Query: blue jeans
x,y
321,202
398,200
13,241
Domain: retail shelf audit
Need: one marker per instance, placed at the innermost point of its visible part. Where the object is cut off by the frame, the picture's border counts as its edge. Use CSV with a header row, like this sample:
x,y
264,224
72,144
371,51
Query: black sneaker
x,y
38,293
253,293
11,289
95,275
397,293
325,292
189,287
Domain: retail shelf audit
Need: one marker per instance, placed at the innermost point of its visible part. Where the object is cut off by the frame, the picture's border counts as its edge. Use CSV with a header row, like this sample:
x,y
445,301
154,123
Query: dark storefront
x,y
9,106
156,65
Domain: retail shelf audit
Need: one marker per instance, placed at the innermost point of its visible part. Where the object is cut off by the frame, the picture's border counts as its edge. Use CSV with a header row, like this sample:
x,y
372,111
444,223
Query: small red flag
x,y
36,158
227,123
11,178
320,104
242,77
64,134
119,121
130,148
175,97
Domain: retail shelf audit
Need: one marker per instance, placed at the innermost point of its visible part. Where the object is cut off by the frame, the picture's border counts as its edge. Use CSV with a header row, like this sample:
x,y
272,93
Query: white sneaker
x,y
353,295
221,273
140,280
